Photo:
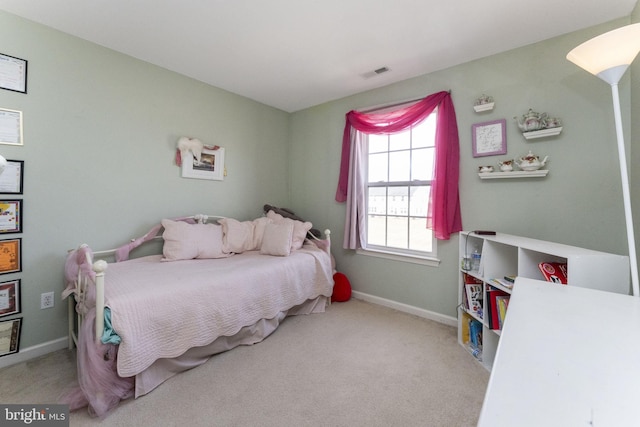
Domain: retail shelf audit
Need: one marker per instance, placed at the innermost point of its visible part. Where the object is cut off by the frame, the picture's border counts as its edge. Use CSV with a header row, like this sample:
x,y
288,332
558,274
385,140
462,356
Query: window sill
x,y
432,262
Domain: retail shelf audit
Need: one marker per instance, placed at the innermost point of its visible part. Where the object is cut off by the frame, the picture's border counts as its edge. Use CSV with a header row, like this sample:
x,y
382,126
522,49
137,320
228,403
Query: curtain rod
x,y
395,104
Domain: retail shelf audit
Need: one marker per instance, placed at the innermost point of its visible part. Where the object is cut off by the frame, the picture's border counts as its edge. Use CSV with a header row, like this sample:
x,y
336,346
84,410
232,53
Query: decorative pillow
x,y
241,236
299,229
341,288
189,241
277,239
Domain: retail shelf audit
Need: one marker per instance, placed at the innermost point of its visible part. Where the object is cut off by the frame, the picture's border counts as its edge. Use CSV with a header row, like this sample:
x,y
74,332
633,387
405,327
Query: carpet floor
x,y
358,364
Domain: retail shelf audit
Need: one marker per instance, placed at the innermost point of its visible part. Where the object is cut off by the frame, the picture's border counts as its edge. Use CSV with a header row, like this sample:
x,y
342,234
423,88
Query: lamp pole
x,y
626,195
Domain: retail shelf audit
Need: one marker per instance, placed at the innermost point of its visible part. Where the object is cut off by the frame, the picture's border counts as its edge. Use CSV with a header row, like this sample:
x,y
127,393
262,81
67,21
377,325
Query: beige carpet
x,y
358,364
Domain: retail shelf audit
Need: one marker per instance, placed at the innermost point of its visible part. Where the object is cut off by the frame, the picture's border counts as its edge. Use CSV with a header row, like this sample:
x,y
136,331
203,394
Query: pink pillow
x,y
277,239
189,241
299,229
238,237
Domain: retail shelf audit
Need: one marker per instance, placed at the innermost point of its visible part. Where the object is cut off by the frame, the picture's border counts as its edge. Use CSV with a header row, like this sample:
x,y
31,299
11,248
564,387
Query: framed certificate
x,y
10,127
9,297
10,336
12,177
10,216
489,138
10,256
13,73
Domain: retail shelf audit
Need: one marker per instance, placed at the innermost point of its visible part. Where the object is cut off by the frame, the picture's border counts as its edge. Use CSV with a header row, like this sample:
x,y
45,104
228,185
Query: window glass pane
x,y
378,164
400,140
399,166
420,238
398,201
377,202
422,164
419,201
398,232
424,134
376,230
378,143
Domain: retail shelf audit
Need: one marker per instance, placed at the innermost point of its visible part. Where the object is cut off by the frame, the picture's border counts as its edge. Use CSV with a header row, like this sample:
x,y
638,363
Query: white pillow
x,y
189,241
277,239
299,228
238,237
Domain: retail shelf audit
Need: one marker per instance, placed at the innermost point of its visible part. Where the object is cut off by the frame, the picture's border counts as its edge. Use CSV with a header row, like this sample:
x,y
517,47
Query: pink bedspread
x,y
161,309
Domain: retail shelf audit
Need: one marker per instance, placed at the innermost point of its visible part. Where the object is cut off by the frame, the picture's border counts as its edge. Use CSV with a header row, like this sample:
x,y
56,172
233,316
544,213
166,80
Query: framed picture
x,y
489,138
10,256
13,73
210,165
12,177
9,297
10,336
10,216
10,127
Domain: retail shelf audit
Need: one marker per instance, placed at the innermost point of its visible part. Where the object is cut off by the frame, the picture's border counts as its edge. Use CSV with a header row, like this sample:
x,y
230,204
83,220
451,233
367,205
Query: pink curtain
x,y
444,203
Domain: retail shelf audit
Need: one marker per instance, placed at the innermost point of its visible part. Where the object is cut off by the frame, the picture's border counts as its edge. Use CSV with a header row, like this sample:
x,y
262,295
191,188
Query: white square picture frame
x,y
210,166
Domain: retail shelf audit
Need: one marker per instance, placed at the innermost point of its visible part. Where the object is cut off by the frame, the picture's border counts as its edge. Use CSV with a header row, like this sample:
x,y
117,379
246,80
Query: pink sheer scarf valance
x,y
444,204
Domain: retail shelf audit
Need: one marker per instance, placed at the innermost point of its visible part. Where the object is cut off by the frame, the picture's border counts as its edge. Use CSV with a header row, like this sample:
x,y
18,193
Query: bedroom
x,y
87,103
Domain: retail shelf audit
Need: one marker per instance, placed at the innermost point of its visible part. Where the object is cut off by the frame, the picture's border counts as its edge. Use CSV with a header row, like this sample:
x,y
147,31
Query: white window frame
x,y
388,252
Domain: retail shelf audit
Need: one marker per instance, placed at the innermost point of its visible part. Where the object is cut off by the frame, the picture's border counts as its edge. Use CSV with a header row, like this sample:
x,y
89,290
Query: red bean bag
x,y
341,288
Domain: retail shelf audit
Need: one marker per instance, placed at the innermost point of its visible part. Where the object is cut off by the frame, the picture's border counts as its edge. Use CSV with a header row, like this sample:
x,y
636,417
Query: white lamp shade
x,y
608,55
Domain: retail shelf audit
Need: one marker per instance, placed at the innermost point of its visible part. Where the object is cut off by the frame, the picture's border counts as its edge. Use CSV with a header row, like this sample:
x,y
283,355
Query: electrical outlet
x,y
46,300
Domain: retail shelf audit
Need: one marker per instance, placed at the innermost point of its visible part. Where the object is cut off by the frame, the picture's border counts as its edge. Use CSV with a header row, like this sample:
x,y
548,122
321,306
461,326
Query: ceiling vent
x,y
375,72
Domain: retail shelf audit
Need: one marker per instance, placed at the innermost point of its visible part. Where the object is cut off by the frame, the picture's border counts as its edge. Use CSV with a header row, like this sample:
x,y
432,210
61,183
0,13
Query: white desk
x,y
567,357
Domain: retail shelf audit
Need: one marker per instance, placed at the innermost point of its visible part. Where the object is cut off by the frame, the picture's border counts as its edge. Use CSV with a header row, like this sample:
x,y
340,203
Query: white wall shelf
x,y
540,173
506,255
483,107
542,133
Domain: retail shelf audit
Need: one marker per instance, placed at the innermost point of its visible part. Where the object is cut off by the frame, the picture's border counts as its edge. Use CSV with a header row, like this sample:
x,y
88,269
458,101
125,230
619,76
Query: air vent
x,y
375,72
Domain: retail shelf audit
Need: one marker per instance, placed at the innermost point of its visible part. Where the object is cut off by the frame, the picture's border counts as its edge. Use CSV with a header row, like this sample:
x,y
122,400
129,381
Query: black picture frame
x,y
10,216
13,73
10,297
12,178
10,331
11,255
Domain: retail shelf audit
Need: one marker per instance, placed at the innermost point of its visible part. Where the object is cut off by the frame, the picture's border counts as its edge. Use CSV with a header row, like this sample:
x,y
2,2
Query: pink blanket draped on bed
x,y
156,318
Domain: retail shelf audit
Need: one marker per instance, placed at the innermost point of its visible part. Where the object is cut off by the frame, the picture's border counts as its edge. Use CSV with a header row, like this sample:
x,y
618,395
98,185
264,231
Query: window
x,y
399,174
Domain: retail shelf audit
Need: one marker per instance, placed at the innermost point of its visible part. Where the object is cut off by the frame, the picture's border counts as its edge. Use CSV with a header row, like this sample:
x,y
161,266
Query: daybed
x,y
216,285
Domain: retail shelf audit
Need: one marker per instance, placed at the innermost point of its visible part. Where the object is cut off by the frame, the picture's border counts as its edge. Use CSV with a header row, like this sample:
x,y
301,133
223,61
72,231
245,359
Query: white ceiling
x,y
293,54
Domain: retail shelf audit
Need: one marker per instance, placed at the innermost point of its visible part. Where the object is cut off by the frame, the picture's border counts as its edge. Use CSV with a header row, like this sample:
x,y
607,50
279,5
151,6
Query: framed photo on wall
x,y
10,216
12,177
11,127
210,165
489,138
13,73
9,297
10,256
10,336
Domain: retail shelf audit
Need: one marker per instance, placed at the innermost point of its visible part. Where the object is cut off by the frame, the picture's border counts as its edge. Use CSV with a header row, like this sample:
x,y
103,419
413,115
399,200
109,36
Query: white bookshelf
x,y
508,255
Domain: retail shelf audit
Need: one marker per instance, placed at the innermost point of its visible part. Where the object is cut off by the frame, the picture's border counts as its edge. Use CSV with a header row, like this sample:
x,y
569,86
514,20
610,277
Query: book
x,y
474,298
511,279
502,282
554,271
493,309
475,334
502,302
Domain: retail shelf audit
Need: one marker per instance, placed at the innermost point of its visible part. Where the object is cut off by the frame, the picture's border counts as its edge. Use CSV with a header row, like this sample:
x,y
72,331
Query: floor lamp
x,y
608,56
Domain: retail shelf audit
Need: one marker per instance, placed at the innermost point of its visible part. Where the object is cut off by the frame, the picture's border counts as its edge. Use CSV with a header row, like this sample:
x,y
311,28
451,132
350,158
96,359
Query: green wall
x,y
578,203
100,132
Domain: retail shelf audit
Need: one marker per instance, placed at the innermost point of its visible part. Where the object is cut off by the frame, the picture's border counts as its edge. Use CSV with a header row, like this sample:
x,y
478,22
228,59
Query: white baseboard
x,y
420,312
34,351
